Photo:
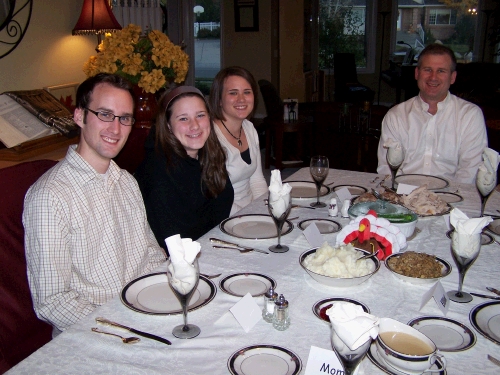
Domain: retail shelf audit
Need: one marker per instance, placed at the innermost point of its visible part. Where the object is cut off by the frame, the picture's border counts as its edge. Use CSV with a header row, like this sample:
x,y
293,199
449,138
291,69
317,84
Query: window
x,y
442,17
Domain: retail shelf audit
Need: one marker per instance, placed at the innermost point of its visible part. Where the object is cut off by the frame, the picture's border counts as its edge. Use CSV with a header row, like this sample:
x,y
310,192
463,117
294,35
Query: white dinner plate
x,y
353,189
449,197
264,359
151,294
306,189
494,227
329,301
486,239
382,365
239,284
325,226
432,182
253,227
448,334
485,318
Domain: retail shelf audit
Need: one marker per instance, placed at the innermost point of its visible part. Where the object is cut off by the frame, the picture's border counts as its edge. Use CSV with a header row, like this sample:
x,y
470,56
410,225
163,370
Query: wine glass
x,y
463,262
184,331
395,157
279,217
319,168
485,187
350,359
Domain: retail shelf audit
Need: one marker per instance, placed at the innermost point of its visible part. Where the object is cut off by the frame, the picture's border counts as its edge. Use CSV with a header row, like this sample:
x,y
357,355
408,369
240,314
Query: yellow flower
x,y
151,62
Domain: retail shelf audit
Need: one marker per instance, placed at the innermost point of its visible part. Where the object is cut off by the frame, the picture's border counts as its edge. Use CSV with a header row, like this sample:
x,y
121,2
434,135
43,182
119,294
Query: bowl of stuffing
x,y
417,268
338,266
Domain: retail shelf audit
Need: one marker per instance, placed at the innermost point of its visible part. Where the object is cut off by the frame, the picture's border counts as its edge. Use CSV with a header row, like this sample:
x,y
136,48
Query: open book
x,y
30,114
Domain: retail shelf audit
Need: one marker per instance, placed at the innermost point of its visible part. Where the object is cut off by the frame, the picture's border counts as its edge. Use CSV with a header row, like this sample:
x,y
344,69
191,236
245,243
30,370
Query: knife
x,y
485,296
494,360
133,330
226,243
496,291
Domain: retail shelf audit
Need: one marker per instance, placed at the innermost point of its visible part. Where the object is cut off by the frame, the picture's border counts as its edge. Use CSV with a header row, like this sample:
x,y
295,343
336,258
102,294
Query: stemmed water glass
x,y
484,191
279,217
350,358
395,157
184,331
463,263
319,168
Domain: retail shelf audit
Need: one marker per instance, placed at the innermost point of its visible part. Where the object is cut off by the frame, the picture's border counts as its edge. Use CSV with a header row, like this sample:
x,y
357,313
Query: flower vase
x,y
145,108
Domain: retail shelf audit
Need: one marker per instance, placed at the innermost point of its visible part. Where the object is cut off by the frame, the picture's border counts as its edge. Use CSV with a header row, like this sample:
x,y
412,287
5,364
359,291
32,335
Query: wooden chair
x,y
21,332
276,128
347,87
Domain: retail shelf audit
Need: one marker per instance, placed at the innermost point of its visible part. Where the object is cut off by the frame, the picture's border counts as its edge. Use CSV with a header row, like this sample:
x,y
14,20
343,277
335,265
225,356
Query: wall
x,y
48,54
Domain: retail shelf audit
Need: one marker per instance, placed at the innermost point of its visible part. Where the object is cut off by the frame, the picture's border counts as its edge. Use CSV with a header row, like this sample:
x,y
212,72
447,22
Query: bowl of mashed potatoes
x,y
338,266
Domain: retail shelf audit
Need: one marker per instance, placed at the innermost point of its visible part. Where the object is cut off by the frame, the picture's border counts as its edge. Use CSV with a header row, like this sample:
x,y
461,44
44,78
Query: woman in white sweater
x,y
232,100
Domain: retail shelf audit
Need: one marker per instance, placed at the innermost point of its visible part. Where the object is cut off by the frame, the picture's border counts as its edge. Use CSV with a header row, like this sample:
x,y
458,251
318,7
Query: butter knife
x,y
133,330
496,291
226,243
494,360
485,296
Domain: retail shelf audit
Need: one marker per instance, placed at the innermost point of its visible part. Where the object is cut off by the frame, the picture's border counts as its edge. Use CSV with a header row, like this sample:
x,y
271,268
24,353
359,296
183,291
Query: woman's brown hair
x,y
211,156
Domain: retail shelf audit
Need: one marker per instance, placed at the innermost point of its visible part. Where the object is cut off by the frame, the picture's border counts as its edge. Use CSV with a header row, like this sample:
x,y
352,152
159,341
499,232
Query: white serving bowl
x,y
339,282
445,271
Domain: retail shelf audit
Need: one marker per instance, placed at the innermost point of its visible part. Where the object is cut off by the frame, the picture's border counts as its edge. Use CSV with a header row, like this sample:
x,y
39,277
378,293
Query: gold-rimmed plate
x,y
264,359
253,227
306,190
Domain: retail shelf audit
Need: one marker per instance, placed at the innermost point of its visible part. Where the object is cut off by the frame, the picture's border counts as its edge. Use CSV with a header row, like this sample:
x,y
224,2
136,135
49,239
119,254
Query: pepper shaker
x,y
269,299
281,317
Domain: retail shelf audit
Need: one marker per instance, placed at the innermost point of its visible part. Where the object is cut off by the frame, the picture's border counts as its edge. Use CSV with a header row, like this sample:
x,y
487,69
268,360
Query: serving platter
x,y
449,197
264,359
449,335
239,284
432,182
325,226
253,227
485,318
151,294
306,189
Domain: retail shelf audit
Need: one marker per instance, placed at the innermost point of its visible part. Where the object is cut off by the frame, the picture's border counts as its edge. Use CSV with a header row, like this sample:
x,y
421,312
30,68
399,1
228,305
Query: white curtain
x,y
145,13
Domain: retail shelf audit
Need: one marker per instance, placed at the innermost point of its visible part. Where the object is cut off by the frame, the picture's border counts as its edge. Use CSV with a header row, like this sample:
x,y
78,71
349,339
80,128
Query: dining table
x,y
78,350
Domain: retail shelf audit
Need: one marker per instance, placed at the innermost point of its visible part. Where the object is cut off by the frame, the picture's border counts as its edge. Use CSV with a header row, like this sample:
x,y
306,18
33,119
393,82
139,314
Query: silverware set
x,y
493,290
127,340
221,244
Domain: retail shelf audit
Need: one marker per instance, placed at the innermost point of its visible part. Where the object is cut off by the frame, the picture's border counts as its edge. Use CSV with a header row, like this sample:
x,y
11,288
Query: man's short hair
x,y
84,92
438,49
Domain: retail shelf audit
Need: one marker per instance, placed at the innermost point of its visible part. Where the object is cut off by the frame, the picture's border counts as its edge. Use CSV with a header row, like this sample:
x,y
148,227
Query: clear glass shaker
x,y
270,298
281,317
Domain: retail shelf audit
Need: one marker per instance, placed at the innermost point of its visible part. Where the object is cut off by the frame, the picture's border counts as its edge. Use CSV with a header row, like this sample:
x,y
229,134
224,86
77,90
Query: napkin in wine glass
x,y
396,155
183,252
279,193
465,229
352,324
486,178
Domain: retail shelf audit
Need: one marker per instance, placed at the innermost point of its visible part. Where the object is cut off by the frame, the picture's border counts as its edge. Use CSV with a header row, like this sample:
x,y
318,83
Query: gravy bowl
x,y
396,339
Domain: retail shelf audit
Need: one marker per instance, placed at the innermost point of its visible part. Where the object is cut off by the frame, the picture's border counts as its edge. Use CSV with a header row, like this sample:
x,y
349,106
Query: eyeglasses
x,y
109,117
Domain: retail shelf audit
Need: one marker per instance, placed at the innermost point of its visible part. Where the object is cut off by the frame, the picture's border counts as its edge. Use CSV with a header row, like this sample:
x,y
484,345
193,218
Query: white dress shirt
x,y
448,144
247,179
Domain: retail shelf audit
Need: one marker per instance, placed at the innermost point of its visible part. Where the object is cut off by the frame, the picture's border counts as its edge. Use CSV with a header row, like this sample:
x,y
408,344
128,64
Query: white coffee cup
x,y
392,345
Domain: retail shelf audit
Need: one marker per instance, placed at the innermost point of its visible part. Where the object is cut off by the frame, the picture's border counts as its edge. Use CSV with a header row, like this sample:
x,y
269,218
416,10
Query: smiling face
x,y
190,123
237,98
101,141
434,77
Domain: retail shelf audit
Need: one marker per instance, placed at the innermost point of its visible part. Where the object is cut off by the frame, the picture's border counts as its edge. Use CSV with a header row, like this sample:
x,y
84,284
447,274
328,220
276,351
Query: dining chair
x,y
347,87
21,332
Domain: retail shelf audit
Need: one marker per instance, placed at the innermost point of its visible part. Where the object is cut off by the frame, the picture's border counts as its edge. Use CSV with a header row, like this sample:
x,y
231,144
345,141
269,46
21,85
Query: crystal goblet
x,y
184,290
395,157
485,184
319,168
279,212
349,358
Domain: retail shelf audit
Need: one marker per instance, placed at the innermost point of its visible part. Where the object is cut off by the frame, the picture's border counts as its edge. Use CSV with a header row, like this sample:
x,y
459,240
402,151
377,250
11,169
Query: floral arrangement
x,y
151,62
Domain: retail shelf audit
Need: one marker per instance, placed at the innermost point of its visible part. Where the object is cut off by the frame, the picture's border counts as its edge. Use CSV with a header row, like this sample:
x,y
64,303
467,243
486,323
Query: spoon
x,y
126,340
368,255
233,248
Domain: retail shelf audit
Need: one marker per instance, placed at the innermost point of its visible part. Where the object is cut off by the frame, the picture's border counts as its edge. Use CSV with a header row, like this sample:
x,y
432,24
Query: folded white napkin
x,y
486,178
465,230
395,154
183,252
352,324
279,194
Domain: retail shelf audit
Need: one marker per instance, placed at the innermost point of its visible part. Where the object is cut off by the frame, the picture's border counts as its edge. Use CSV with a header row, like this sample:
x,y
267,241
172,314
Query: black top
x,y
174,200
245,155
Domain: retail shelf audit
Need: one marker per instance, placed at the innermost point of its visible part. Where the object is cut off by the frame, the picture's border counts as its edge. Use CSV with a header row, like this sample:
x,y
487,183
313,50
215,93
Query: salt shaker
x,y
281,318
270,298
345,208
333,210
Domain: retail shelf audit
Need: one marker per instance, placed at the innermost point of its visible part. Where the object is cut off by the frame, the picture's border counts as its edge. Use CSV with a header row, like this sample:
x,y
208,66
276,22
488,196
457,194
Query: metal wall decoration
x,y
14,24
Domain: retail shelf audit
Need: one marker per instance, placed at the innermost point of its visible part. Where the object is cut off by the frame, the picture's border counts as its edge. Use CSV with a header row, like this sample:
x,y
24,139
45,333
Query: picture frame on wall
x,y
65,93
246,15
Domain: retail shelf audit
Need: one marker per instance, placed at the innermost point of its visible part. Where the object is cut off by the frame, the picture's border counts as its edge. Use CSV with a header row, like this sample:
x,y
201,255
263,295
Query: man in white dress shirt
x,y
441,134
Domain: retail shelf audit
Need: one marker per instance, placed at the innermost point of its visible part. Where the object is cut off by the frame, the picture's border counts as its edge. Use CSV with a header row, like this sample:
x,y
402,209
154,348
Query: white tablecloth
x,y
79,351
